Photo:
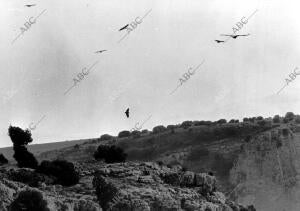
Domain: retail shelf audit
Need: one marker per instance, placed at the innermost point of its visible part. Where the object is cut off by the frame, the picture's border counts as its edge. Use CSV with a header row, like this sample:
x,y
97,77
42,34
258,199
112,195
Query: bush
x,y
30,200
186,124
20,139
110,154
64,171
136,133
261,122
3,160
124,133
289,115
221,121
232,121
276,119
145,131
170,127
246,119
105,137
259,118
198,123
159,129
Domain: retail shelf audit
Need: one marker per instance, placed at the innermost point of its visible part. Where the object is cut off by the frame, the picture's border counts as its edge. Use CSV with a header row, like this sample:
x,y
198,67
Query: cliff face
x,y
266,171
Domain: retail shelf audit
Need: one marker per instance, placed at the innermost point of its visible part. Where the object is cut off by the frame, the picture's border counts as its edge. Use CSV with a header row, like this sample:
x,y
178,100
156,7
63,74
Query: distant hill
x,y
36,149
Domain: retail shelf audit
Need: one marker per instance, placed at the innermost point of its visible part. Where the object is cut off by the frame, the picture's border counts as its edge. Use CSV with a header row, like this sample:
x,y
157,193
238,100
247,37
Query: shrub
x,y
262,122
259,118
186,124
289,115
170,127
136,133
285,120
29,200
221,121
145,131
276,119
64,171
124,133
248,138
105,137
20,139
3,160
110,154
159,129
198,123
245,119
232,121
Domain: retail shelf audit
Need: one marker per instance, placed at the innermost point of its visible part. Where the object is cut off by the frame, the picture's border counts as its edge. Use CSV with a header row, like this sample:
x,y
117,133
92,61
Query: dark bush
x,y
105,137
145,131
221,121
64,171
232,121
259,118
199,123
124,133
261,122
3,160
170,127
246,119
30,200
285,120
289,115
276,119
159,129
20,139
110,154
186,124
136,133
248,138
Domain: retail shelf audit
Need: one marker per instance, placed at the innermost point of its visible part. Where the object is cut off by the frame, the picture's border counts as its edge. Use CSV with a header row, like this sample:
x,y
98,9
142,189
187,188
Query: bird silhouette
x,y
124,27
30,5
100,51
218,41
234,36
127,112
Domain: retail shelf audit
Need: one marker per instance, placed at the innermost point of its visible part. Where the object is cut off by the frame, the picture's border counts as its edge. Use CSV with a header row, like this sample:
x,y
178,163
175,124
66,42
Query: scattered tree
x,y
110,154
136,133
20,139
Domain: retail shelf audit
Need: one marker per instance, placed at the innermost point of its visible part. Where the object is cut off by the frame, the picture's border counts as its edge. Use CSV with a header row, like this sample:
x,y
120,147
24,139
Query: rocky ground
x,y
121,186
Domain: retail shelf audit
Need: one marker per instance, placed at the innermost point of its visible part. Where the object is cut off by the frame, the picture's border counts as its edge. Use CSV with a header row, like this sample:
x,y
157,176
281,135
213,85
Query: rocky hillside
x,y
121,186
254,164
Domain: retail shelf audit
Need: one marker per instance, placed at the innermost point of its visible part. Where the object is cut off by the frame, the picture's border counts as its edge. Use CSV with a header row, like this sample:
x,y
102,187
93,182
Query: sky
x,y
238,78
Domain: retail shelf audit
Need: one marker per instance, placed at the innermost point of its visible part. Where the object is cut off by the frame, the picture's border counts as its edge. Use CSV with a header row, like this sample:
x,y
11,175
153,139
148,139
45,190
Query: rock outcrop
x,y
148,186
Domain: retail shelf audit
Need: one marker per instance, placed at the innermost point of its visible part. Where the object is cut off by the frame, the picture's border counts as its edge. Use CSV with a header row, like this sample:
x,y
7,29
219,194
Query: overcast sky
x,y
238,78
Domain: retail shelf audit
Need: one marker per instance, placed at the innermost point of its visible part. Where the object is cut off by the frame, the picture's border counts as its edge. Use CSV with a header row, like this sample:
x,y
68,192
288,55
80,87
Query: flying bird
x,y
100,51
30,5
127,112
234,36
124,27
218,41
